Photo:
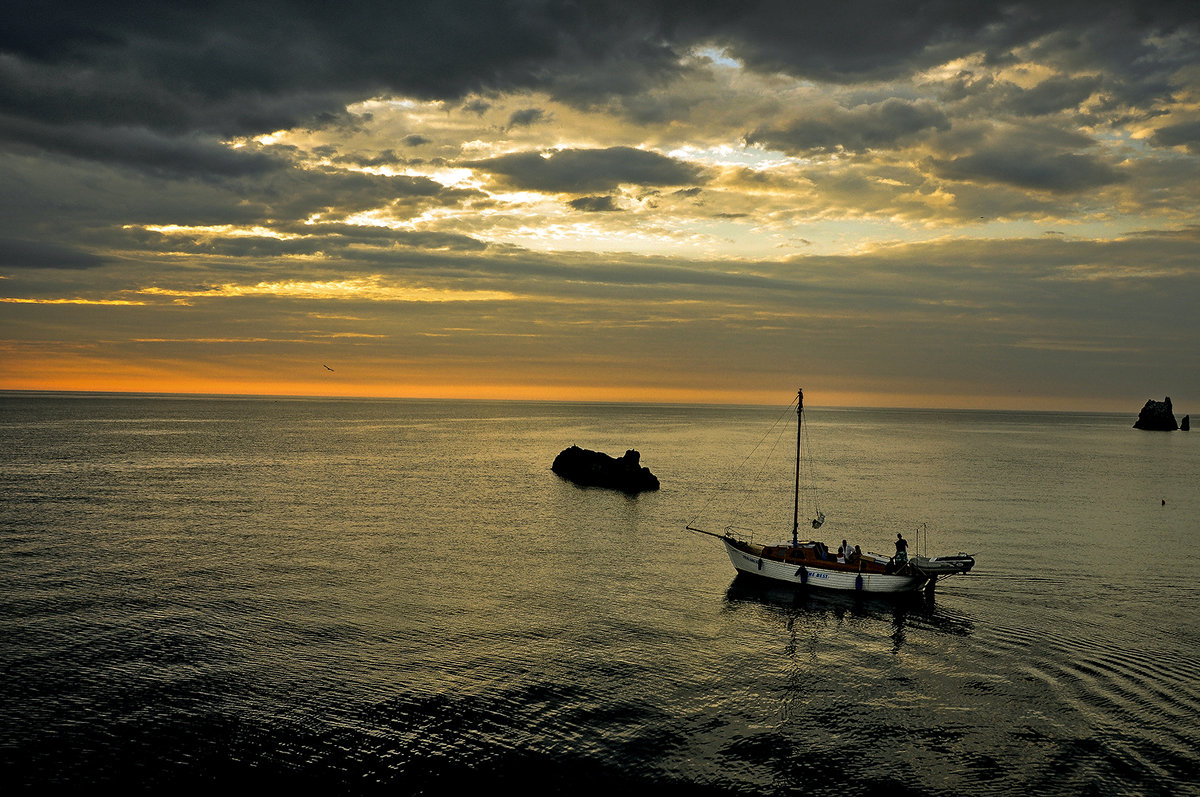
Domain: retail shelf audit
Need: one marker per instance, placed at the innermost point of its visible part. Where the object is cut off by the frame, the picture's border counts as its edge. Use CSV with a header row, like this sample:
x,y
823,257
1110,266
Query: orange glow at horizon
x,y
80,373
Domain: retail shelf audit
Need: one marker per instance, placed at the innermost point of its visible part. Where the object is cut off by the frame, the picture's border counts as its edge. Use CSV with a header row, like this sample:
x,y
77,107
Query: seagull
x,y
326,367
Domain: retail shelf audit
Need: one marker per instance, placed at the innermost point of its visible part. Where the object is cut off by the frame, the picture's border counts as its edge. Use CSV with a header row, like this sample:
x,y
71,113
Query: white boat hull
x,y
812,576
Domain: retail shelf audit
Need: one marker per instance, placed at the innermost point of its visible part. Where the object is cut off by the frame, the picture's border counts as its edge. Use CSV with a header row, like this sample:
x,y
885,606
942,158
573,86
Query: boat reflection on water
x,y
812,607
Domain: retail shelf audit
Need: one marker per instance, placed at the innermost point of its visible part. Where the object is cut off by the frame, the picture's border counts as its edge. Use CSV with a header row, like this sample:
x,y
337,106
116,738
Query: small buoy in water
x,y
858,583
1164,502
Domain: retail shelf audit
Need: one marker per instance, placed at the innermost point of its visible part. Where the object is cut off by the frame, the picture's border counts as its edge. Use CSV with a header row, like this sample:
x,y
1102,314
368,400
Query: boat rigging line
x,y
724,486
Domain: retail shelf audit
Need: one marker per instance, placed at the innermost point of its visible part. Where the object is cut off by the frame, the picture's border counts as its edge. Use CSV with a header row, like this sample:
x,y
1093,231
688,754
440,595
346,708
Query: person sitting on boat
x,y
849,551
841,557
901,549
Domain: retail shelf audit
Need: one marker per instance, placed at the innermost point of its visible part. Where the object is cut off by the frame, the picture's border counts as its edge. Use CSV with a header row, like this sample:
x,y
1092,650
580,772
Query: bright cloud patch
x,y
372,289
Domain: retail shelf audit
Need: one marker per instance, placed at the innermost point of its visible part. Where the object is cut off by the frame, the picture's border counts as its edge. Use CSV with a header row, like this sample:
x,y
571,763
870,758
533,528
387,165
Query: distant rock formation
x,y
1186,423
1157,416
597,469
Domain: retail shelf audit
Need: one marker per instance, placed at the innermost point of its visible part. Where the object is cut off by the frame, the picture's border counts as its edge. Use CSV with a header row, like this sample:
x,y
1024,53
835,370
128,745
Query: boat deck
x,y
812,554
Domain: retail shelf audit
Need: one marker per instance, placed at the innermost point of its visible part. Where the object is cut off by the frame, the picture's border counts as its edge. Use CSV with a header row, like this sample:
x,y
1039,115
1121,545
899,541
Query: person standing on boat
x,y
901,549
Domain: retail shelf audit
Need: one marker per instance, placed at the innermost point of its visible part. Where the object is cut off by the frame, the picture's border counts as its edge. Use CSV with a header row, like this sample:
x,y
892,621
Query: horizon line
x,y
64,393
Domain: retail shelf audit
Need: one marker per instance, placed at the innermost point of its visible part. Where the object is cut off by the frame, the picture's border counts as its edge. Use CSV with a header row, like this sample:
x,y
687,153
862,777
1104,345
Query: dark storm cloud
x,y
158,89
846,42
122,86
1184,134
15,253
1031,168
1053,95
78,77
477,106
337,244
235,68
299,194
881,125
72,204
1028,155
587,170
594,204
139,148
881,39
387,157
526,117
234,57
984,95
292,194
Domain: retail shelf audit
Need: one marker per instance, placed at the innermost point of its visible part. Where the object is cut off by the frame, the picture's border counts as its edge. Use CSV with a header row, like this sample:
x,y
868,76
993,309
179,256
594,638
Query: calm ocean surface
x,y
401,597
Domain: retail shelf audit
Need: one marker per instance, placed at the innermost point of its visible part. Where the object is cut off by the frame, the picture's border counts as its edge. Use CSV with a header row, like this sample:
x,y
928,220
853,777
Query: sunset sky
x,y
944,204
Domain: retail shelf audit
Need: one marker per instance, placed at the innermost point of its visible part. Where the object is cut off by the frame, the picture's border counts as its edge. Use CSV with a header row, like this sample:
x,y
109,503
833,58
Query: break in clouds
x,y
721,157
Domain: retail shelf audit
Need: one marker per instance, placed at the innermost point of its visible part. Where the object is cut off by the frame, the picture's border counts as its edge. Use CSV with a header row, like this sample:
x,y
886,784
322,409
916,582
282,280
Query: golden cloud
x,y
373,289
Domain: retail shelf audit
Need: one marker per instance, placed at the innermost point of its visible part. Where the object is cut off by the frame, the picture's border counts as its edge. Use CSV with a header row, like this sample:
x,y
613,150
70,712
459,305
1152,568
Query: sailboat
x,y
810,563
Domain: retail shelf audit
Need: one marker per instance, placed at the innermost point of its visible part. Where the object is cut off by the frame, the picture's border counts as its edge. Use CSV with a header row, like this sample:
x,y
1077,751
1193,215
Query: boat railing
x,y
743,534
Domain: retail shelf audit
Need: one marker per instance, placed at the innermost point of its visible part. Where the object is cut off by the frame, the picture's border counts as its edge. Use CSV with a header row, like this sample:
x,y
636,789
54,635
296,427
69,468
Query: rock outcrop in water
x,y
1157,416
597,469
1186,423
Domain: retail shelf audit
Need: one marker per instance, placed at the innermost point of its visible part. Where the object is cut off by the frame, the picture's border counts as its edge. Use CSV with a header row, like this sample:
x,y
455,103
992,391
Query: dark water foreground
x,y
400,597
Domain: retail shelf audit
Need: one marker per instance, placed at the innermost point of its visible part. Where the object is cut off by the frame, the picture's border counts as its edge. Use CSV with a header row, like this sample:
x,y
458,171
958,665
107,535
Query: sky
x,y
937,204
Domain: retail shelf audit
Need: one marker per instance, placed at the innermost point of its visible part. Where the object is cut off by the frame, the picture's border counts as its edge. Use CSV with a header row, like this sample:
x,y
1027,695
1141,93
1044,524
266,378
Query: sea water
x,y
400,596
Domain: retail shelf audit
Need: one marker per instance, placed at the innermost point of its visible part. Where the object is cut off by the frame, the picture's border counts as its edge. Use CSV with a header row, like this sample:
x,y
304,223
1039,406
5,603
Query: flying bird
x,y
326,367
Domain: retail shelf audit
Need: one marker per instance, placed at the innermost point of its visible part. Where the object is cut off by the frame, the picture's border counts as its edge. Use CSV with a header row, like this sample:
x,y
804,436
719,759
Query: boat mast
x,y
796,509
